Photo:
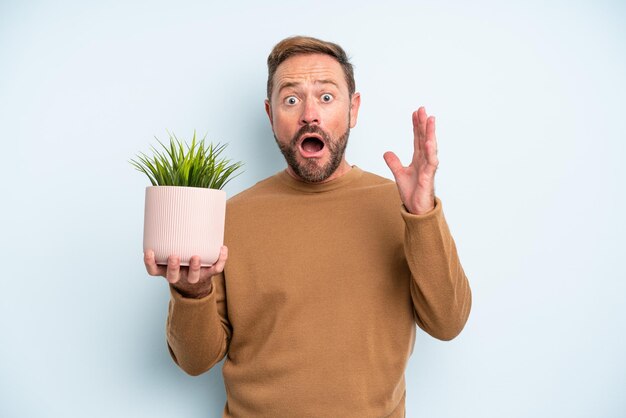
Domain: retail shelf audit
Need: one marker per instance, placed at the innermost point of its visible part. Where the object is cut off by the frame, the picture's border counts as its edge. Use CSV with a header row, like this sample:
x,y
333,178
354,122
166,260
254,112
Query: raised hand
x,y
193,281
416,182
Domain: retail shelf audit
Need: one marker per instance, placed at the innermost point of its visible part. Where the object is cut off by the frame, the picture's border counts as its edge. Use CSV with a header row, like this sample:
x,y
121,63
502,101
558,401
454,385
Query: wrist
x,y
421,209
194,291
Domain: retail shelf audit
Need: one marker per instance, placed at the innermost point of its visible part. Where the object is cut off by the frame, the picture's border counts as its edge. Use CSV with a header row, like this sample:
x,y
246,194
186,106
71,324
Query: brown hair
x,y
299,45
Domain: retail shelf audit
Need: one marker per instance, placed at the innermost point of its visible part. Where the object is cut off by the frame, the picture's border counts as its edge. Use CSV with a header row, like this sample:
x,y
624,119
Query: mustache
x,y
310,129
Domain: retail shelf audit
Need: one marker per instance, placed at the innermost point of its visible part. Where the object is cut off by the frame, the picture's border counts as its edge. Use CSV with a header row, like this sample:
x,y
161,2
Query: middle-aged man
x,y
329,267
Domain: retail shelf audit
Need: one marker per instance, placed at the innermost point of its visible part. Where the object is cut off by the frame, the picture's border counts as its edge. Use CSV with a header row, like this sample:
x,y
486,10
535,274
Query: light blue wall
x,y
529,100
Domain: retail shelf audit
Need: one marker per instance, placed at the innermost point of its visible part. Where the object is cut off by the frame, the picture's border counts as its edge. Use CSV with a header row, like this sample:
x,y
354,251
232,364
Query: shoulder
x,y
256,194
375,179
260,187
376,183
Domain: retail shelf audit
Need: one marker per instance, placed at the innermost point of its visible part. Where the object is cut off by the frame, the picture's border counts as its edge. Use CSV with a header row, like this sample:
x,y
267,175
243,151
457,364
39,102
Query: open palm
x,y
416,182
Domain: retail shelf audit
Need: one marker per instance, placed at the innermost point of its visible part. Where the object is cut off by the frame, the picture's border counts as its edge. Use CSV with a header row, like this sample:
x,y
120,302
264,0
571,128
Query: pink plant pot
x,y
184,221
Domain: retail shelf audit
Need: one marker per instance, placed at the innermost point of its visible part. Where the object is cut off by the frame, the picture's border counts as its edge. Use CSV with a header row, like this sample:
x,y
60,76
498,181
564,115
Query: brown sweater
x,y
317,306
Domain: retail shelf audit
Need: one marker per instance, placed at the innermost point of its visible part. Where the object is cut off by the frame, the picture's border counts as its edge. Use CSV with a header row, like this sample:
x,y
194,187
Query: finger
x,y
194,269
394,164
218,267
152,267
431,142
416,134
419,133
422,117
173,269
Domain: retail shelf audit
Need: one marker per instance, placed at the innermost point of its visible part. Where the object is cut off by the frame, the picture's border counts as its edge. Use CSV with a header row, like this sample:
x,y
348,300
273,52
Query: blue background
x,y
529,99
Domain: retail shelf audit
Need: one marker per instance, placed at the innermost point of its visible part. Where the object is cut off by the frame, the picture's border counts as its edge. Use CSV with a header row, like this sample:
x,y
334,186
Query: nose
x,y
310,113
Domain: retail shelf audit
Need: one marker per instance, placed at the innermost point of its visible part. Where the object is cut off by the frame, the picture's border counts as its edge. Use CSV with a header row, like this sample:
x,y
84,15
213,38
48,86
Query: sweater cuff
x,y
434,213
181,300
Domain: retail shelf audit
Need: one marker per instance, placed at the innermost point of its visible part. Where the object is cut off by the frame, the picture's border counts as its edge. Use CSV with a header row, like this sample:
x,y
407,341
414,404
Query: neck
x,y
342,170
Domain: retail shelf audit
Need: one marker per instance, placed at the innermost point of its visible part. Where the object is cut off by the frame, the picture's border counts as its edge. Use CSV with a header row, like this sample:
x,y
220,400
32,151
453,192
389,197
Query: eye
x,y
291,100
327,98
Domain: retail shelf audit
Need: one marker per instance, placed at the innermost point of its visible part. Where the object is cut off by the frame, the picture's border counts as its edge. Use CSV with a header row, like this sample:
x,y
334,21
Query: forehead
x,y
309,68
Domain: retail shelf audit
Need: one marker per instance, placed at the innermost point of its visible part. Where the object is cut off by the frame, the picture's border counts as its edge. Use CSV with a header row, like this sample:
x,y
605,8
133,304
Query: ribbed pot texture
x,y
184,221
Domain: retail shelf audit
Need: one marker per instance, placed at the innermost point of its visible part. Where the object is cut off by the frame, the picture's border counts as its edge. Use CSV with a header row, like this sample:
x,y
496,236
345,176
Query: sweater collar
x,y
354,174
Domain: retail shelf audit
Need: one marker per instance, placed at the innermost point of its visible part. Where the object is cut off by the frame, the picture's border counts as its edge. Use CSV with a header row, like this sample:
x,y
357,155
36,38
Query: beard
x,y
310,169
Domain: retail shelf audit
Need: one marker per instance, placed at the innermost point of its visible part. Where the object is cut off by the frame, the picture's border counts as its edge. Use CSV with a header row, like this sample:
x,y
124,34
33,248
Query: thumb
x,y
393,162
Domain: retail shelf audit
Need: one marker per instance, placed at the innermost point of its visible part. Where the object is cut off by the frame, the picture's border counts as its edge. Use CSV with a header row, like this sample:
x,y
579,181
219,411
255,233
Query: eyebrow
x,y
290,84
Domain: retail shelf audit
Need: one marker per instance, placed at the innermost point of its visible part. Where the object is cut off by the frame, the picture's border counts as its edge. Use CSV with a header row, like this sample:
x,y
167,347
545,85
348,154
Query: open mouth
x,y
311,146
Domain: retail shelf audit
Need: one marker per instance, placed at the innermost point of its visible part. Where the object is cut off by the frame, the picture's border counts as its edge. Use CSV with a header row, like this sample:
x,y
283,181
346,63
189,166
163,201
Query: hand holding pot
x,y
193,281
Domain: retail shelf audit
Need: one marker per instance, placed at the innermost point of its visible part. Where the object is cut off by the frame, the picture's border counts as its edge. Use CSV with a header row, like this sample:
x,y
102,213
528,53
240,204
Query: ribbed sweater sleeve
x,y
198,332
439,288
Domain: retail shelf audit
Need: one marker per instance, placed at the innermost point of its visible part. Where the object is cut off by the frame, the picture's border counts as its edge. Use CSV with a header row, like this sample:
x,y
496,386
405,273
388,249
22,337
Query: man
x,y
330,267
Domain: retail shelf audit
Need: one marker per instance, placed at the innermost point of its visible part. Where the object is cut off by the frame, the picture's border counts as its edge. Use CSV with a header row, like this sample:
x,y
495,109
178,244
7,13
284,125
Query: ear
x,y
355,102
268,110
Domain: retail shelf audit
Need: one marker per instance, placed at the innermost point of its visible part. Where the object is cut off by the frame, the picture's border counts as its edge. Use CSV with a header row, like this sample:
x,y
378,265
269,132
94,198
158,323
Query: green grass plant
x,y
196,165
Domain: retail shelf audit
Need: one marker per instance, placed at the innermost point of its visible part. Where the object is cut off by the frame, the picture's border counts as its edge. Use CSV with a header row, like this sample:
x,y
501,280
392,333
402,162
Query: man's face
x,y
311,113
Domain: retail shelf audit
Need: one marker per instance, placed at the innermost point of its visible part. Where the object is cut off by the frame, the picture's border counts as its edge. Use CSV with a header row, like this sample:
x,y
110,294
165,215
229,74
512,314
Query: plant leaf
x,y
181,164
